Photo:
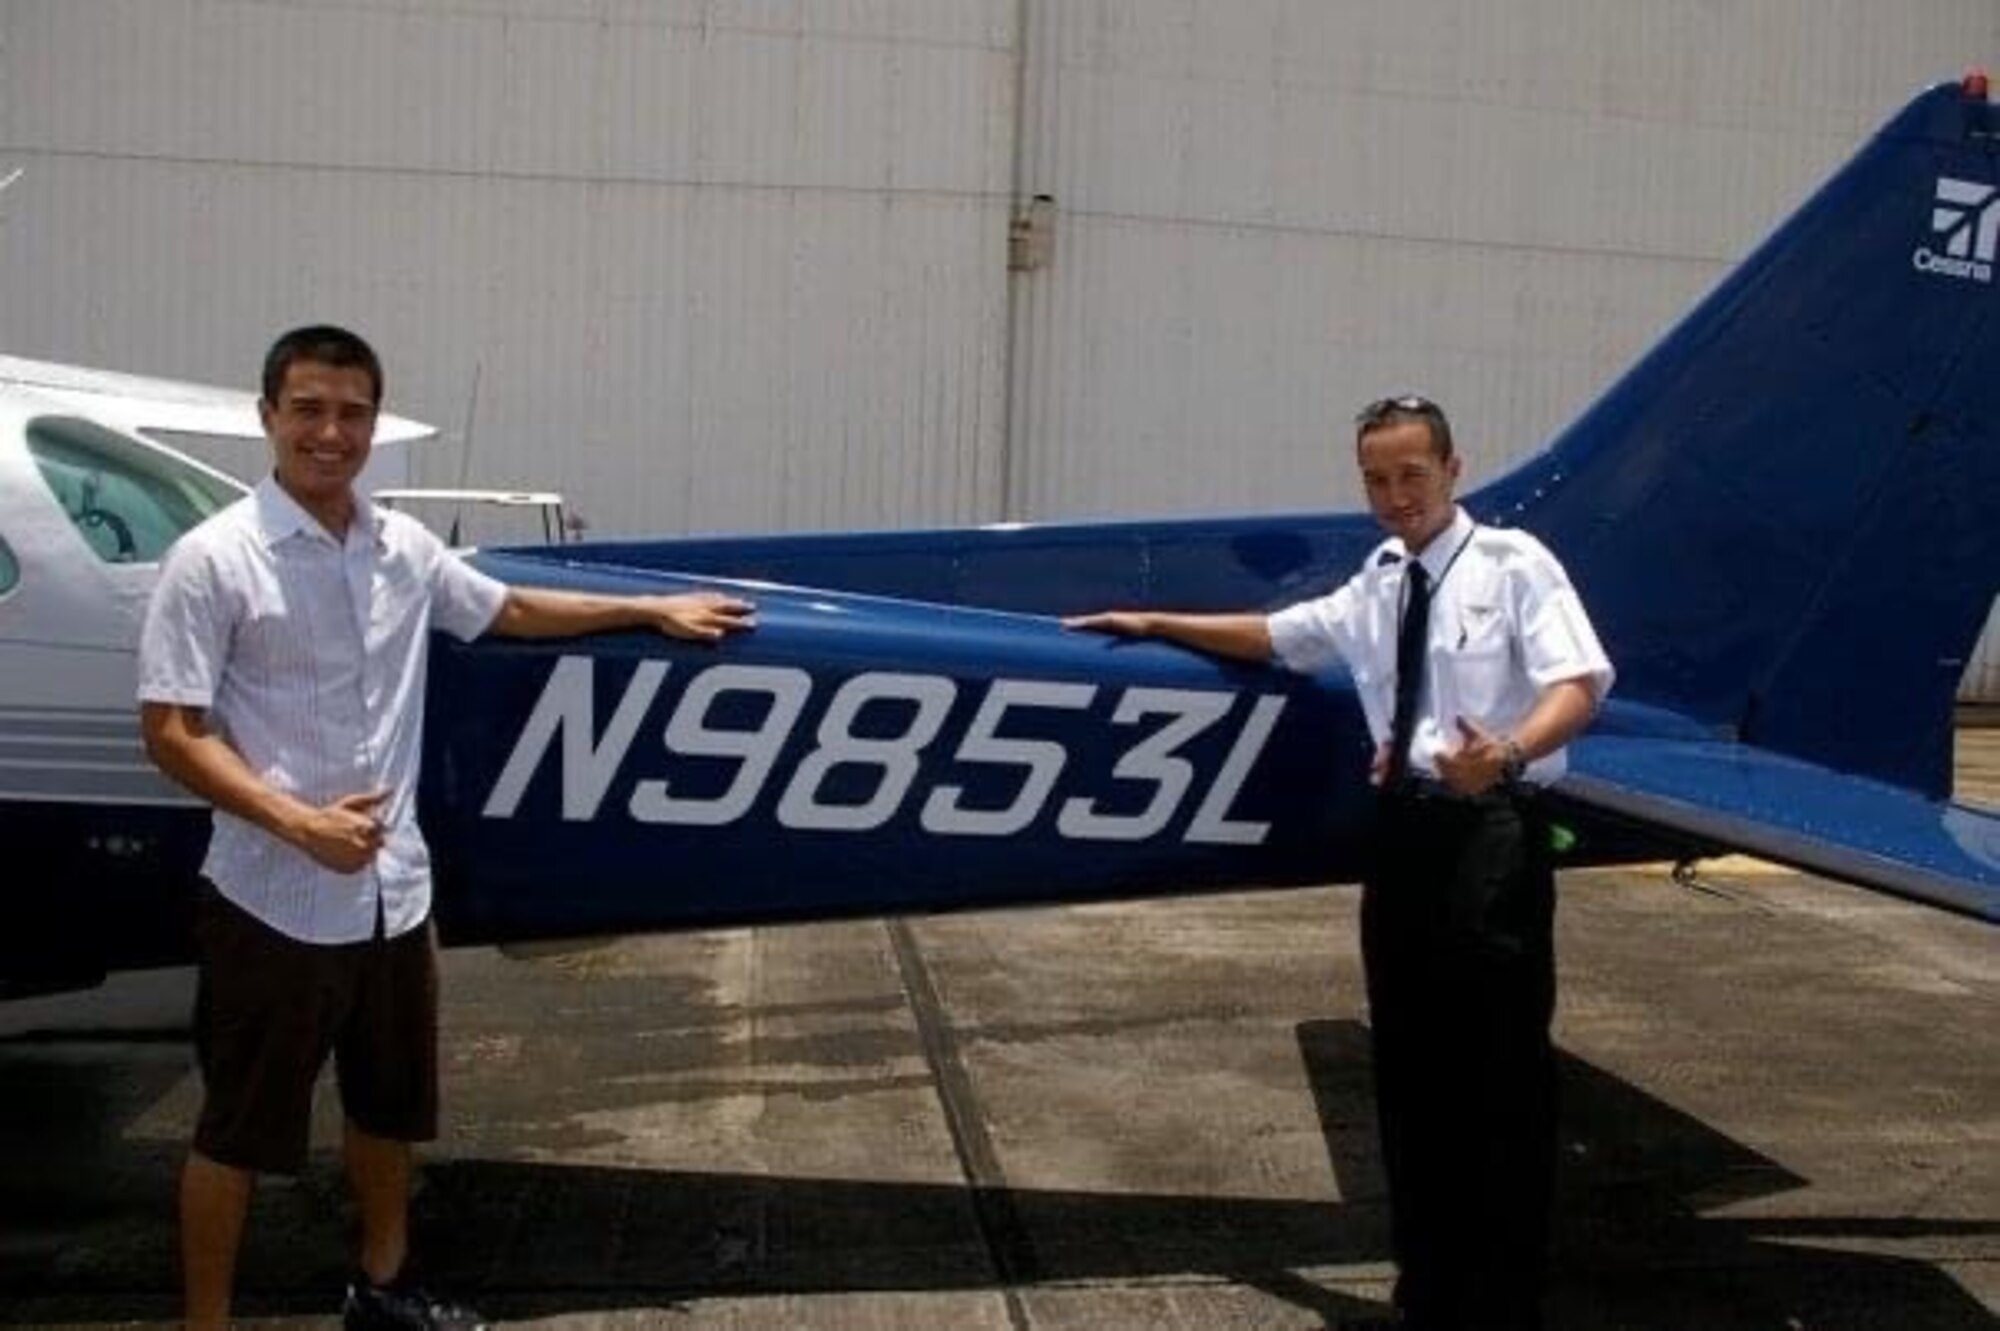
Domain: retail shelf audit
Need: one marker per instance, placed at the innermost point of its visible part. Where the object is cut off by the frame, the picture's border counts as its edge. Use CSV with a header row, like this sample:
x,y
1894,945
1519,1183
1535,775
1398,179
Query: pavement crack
x,y
1009,1247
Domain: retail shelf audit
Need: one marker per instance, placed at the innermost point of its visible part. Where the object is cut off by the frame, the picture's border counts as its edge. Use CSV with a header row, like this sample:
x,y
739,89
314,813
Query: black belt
x,y
1418,788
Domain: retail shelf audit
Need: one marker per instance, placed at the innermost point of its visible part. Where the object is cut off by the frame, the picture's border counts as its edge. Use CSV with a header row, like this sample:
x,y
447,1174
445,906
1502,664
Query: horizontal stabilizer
x,y
1846,827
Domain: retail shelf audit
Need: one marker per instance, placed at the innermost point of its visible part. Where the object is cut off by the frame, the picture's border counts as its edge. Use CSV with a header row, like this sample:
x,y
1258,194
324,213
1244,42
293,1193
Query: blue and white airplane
x,y
1783,519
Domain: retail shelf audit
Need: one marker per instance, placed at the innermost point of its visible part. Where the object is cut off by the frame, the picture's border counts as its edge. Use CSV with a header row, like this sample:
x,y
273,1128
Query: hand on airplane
x,y
1478,764
700,616
345,835
1118,623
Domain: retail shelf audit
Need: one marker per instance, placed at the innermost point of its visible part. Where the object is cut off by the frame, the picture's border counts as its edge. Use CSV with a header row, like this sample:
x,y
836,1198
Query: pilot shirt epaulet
x,y
1501,543
1385,560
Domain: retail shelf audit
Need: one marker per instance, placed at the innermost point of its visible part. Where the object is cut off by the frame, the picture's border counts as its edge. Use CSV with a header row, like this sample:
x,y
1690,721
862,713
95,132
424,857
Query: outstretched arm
x,y
1238,637
538,612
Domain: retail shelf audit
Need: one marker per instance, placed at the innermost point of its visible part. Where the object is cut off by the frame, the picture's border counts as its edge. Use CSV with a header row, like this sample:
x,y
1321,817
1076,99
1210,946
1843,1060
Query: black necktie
x,y
1409,671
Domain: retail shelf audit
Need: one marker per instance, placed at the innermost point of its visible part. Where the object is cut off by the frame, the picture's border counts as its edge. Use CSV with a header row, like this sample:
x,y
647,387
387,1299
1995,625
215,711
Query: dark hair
x,y
1401,410
323,344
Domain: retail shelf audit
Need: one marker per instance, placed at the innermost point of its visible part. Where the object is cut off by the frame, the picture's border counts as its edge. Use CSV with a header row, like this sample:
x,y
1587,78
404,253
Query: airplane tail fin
x,y
1784,516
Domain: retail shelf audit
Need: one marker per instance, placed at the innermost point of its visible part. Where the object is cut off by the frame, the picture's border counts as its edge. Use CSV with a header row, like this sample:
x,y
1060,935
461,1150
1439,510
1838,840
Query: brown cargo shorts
x,y
270,1008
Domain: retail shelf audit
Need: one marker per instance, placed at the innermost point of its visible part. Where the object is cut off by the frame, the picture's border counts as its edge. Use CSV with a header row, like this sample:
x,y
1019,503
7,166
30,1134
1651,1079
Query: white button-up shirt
x,y
309,654
1505,624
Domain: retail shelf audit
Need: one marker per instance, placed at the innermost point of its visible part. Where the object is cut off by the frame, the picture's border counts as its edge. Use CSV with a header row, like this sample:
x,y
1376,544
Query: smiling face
x,y
1409,482
321,428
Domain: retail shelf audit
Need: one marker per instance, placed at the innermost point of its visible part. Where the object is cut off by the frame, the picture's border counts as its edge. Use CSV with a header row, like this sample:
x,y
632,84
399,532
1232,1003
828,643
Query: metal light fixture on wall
x,y
1031,235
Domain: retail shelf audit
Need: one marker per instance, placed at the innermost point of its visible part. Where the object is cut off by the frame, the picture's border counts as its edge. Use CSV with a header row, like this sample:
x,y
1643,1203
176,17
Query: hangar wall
x,y
1270,213
709,265
716,265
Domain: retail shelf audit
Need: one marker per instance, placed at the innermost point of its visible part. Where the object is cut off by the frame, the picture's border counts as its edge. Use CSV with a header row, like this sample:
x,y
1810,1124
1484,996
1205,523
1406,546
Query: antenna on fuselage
x,y
465,454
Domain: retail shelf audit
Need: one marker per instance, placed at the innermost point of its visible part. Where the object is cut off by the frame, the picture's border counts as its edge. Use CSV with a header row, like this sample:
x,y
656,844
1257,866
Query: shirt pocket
x,y
1479,657
272,640
396,582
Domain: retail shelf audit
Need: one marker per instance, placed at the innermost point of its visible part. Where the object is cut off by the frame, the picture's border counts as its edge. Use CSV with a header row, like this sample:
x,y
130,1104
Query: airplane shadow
x,y
534,1239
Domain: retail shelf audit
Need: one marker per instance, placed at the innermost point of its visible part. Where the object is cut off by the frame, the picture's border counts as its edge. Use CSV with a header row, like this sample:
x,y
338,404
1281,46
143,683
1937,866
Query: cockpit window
x,y
10,568
130,502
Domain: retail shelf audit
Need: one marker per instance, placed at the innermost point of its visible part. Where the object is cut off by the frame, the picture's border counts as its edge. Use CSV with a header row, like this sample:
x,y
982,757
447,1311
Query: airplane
x,y
1779,516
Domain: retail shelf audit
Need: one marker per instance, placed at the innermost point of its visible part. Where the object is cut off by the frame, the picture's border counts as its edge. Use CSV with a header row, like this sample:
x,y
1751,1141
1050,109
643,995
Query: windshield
x,y
129,502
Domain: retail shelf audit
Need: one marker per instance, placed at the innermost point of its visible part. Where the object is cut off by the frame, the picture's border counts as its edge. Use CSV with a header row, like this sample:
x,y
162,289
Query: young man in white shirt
x,y
1475,664
281,678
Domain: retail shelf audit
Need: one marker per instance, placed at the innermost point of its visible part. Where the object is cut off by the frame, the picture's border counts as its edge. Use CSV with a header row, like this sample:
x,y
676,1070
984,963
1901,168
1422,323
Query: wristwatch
x,y
1514,763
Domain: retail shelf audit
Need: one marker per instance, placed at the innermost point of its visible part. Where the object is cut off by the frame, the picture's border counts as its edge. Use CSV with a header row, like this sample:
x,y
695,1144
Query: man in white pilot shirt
x,y
1502,669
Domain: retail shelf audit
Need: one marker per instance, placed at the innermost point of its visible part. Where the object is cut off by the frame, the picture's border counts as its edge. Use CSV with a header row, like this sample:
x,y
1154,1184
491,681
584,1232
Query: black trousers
x,y
1457,910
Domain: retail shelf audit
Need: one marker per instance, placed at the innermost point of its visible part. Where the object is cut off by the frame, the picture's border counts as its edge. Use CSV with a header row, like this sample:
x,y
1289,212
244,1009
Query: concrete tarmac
x,y
1781,1112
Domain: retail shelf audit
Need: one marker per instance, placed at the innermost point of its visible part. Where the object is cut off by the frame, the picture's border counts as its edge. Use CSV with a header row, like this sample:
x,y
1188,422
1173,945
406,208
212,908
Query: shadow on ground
x,y
531,1239
1634,1248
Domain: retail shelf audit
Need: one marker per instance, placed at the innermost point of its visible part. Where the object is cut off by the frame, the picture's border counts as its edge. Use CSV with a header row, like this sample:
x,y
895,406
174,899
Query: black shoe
x,y
403,1306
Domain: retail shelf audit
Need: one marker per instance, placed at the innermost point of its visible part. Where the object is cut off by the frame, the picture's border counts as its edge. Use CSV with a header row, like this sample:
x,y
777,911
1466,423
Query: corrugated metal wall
x,y
712,265
1982,674
741,264
1271,212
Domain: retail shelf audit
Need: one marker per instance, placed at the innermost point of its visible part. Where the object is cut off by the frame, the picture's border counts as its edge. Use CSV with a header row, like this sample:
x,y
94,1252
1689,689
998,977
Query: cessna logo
x,y
1965,221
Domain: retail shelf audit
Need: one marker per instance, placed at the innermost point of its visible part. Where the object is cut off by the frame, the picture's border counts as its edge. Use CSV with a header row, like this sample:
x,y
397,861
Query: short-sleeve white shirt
x,y
309,655
1505,624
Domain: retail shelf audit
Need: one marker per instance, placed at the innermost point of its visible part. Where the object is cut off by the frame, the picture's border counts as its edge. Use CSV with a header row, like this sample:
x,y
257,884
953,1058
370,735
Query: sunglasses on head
x,y
1409,404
